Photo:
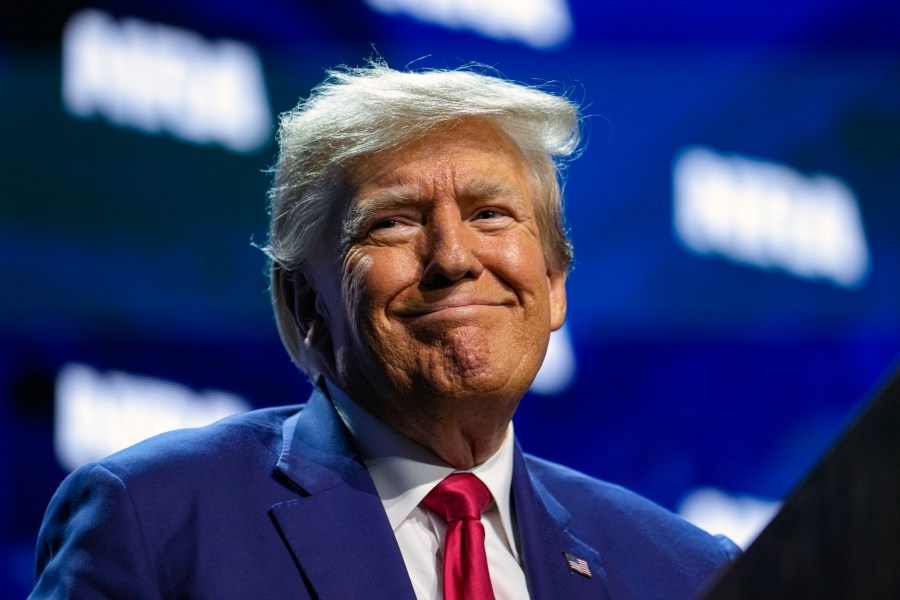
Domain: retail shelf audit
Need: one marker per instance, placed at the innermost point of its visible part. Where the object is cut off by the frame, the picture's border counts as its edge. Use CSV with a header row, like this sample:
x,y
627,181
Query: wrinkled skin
x,y
436,315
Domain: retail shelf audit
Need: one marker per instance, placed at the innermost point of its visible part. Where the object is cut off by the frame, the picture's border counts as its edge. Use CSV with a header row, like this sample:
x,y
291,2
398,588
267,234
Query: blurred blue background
x,y
734,214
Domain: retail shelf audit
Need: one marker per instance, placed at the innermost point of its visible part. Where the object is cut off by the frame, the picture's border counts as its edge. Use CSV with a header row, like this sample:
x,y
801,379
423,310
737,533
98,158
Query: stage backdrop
x,y
734,214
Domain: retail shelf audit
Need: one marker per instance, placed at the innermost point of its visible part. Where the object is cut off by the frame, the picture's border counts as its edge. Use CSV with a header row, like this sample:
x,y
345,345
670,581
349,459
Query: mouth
x,y
450,307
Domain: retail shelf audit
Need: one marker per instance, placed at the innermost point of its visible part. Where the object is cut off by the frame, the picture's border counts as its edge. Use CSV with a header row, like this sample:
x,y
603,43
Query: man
x,y
418,266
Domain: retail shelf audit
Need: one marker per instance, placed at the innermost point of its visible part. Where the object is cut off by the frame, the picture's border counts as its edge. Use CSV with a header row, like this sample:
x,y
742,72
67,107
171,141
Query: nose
x,y
452,252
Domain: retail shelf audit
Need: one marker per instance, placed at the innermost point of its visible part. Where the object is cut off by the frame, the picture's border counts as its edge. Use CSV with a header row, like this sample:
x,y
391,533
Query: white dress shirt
x,y
405,472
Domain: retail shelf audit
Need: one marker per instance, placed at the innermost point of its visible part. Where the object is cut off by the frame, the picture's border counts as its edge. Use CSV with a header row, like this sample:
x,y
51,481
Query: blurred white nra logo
x,y
558,370
100,413
740,518
156,78
769,216
537,23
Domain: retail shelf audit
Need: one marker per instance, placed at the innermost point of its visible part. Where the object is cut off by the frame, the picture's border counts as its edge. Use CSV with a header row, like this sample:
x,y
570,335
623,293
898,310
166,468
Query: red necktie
x,y
459,500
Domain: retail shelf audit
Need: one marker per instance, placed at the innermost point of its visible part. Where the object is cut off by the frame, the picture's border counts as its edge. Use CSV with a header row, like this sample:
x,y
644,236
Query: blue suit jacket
x,y
276,503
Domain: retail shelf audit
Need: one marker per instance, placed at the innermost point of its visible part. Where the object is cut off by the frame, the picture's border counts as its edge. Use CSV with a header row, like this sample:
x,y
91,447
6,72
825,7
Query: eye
x,y
391,230
491,219
386,224
490,214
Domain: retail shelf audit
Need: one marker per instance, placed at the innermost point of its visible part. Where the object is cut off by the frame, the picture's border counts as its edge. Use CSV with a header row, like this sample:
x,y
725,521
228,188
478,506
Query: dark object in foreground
x,y
838,535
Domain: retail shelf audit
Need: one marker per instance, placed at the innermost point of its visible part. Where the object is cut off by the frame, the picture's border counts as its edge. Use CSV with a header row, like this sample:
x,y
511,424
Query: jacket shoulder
x,y
575,487
231,442
179,511
629,529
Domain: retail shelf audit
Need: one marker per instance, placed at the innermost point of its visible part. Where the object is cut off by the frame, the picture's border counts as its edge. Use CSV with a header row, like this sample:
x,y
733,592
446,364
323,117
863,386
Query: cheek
x,y
522,266
353,284
371,280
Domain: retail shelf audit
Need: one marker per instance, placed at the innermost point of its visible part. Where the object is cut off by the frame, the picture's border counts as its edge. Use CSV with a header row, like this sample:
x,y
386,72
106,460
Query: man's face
x,y
442,293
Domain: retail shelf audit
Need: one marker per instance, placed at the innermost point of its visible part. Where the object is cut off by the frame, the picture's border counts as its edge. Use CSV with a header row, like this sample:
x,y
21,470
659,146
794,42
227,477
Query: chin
x,y
483,383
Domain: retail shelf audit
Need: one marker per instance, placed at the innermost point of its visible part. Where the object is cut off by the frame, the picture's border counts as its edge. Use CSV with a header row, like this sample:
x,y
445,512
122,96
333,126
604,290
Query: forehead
x,y
470,153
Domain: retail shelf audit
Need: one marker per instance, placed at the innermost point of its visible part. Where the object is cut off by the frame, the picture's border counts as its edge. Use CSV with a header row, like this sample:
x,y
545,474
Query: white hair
x,y
356,113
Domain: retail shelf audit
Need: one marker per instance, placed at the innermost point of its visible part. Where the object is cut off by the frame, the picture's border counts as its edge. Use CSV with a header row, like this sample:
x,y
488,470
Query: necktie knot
x,y
459,496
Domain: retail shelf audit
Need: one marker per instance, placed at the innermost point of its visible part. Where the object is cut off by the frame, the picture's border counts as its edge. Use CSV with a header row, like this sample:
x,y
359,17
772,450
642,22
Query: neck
x,y
464,432
460,445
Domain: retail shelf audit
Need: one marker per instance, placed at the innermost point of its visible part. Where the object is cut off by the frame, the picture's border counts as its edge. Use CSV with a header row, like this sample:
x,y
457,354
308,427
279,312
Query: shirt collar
x,y
404,471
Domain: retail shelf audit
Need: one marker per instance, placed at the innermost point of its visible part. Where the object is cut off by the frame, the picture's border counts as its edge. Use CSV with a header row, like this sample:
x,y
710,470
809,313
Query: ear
x,y
300,297
556,279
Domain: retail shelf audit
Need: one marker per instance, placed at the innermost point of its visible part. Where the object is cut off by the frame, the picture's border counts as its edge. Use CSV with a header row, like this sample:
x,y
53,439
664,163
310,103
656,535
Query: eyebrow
x,y
487,190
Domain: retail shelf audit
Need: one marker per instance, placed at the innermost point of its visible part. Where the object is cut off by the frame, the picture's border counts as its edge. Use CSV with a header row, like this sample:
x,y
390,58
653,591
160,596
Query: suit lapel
x,y
544,537
337,529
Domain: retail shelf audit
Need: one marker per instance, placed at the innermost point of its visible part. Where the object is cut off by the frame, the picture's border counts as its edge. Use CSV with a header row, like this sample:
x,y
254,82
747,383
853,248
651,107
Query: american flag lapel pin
x,y
577,565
